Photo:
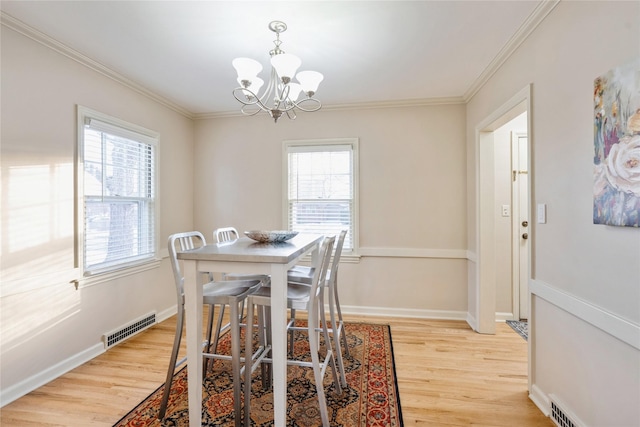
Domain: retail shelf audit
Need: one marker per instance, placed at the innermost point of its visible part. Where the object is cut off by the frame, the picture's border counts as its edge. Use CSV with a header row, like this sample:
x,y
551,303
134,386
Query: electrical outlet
x,y
506,210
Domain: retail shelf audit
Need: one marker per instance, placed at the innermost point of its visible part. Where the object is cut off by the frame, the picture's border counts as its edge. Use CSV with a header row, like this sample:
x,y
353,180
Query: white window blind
x,y
321,189
119,196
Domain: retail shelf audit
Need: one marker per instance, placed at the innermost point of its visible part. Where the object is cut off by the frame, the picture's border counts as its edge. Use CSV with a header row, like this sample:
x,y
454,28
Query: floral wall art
x,y
617,146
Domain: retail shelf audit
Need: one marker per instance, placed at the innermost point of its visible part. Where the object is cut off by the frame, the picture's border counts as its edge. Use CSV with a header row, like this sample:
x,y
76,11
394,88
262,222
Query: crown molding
x,y
354,106
537,16
30,32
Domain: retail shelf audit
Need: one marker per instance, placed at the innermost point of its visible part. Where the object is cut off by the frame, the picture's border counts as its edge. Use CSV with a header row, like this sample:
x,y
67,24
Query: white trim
x,y
12,393
537,16
16,391
405,103
167,313
119,127
608,322
484,284
45,40
413,253
540,399
471,321
503,317
404,312
87,281
354,145
532,22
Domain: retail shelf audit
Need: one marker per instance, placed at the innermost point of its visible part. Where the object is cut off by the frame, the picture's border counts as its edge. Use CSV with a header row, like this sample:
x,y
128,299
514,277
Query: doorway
x,y
496,295
520,222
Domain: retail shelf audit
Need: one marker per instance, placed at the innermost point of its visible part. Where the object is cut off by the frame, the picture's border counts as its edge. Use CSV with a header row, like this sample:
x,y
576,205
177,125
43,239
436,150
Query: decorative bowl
x,y
273,236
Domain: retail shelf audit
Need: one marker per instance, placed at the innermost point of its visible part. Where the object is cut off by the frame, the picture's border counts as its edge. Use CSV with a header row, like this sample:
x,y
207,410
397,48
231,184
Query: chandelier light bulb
x,y
247,69
294,91
286,66
309,80
253,88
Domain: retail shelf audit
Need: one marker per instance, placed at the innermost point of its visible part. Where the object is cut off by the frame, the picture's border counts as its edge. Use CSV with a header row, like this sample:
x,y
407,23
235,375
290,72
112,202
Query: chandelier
x,y
282,95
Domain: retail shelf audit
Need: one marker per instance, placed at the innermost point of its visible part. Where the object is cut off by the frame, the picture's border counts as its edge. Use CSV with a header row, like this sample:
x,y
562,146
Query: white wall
x,y
47,325
585,319
412,197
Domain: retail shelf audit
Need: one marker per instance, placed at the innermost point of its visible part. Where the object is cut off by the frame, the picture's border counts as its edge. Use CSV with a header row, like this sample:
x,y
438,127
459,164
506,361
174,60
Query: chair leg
x,y
331,354
291,332
172,363
248,362
317,371
205,360
343,330
216,336
265,334
235,361
336,332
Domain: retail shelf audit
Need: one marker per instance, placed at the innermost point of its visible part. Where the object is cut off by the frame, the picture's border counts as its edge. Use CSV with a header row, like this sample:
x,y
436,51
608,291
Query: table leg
x,y
279,342
193,320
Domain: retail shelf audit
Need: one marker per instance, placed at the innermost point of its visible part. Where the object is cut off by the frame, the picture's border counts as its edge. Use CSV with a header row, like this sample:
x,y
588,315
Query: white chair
x,y
299,297
222,293
303,275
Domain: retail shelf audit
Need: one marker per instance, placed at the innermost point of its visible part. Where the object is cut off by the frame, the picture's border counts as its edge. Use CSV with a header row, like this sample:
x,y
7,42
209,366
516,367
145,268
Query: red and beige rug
x,y
371,399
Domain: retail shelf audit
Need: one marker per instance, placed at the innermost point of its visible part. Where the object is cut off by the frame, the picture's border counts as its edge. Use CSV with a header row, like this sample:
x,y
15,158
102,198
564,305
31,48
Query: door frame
x,y
485,289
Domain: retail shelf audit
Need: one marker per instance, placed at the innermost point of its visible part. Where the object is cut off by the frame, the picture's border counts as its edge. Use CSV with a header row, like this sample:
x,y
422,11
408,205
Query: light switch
x,y
506,210
542,213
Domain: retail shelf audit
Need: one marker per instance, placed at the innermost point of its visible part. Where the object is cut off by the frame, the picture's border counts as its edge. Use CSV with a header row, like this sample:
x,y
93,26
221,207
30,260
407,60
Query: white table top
x,y
247,250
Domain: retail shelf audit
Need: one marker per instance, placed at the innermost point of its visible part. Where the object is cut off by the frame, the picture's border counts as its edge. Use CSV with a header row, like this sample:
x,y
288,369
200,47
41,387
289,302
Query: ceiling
x,y
368,51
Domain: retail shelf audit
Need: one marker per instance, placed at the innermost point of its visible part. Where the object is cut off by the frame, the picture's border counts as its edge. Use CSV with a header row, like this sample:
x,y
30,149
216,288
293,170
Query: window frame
x,y
347,255
117,127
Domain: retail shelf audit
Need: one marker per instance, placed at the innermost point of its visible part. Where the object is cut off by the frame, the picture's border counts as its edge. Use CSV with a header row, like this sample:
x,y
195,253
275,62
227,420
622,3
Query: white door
x,y
521,224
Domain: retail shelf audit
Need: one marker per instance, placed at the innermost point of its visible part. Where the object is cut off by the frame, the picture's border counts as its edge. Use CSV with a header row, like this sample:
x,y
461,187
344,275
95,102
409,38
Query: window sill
x,y
117,274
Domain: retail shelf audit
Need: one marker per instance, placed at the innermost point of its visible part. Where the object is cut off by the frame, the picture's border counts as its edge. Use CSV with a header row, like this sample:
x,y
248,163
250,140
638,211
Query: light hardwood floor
x,y
448,375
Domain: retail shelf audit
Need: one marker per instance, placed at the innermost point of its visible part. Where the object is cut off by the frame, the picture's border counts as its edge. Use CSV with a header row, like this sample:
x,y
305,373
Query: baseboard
x,y
404,312
18,390
472,321
502,317
165,314
540,399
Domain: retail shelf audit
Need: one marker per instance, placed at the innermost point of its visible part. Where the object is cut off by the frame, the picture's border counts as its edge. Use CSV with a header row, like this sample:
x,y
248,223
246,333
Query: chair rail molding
x,y
413,253
608,322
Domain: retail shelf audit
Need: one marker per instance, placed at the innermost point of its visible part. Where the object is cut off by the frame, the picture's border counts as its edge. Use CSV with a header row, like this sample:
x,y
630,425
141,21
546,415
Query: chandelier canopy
x,y
282,95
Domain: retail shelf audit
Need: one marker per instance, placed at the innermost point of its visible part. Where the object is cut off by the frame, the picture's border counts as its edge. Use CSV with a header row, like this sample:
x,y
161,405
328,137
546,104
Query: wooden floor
x,y
448,375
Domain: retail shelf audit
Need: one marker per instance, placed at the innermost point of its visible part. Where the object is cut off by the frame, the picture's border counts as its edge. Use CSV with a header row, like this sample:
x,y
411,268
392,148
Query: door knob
x,y
525,236
525,223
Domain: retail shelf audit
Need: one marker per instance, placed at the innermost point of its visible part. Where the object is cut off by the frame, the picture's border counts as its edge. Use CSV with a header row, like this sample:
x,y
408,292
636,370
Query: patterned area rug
x,y
522,328
371,399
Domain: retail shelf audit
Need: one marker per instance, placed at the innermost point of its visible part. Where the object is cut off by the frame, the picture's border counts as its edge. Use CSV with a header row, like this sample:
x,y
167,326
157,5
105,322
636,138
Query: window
x,y
118,212
321,188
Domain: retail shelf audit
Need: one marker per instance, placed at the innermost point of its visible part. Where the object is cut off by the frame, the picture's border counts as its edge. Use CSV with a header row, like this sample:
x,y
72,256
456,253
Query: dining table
x,y
243,256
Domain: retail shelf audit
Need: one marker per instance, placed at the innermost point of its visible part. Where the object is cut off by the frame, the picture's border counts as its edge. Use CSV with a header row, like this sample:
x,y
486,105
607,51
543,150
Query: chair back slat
x,y
225,234
322,266
336,256
181,242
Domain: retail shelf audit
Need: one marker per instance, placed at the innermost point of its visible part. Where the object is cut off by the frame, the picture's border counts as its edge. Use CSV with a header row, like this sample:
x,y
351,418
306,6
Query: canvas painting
x,y
616,188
